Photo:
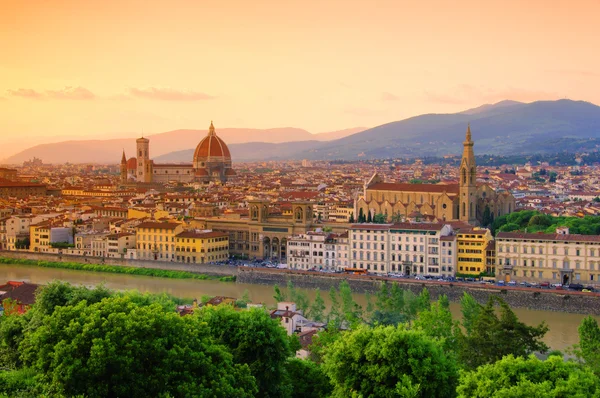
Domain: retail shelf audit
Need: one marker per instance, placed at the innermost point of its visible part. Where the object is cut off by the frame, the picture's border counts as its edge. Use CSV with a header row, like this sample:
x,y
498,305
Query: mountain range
x,y
507,127
109,150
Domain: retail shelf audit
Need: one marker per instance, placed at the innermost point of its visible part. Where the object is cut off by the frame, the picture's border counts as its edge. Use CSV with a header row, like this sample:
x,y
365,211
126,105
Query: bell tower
x,y
144,165
123,168
467,183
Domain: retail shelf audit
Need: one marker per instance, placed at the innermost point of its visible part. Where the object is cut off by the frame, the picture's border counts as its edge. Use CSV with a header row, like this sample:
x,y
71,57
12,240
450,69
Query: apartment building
x,y
408,248
118,244
558,258
156,240
307,251
201,246
337,255
472,246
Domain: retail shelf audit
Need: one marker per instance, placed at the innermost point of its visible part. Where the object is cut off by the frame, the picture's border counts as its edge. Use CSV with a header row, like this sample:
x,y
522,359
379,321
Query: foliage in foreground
x,y
387,361
529,377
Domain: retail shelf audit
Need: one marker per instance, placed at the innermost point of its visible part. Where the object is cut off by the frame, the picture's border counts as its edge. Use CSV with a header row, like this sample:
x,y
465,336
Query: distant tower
x,y
467,183
144,165
123,168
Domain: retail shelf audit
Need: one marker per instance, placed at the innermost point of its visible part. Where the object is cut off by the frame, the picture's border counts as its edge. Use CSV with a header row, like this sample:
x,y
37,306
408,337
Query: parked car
x,y
575,286
500,283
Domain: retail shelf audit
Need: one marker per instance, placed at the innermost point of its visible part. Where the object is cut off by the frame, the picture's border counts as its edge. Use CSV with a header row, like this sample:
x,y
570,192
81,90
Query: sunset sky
x,y
109,68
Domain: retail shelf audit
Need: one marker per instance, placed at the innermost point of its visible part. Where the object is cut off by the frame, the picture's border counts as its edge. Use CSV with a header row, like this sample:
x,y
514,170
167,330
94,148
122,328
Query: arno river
x,y
562,334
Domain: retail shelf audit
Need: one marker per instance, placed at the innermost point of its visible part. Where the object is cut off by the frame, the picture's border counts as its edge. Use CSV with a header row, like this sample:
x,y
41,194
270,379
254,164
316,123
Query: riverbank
x,y
154,272
202,269
533,299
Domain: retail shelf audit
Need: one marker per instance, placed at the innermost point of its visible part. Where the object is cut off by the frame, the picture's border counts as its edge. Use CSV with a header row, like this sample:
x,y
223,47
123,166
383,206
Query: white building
x,y
408,248
306,251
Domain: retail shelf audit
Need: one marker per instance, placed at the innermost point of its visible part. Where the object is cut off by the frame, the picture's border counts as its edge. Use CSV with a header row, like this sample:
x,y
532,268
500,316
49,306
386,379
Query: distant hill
x,y
543,126
508,127
109,151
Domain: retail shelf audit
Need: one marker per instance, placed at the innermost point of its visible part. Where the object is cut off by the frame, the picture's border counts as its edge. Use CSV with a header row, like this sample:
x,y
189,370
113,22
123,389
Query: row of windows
x,y
540,250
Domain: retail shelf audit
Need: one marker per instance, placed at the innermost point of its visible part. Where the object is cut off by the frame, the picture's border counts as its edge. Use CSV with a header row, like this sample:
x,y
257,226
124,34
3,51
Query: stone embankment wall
x,y
535,299
207,269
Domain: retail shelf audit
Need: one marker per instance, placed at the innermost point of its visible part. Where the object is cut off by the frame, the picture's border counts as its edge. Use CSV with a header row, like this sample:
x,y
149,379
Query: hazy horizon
x,y
86,70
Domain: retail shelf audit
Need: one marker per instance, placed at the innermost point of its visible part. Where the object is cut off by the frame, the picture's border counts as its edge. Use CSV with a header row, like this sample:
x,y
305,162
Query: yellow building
x,y
156,240
472,247
201,247
39,236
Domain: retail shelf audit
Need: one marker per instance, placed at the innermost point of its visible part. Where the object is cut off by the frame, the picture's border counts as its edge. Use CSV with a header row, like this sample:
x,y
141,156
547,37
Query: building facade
x,y
472,250
404,248
561,258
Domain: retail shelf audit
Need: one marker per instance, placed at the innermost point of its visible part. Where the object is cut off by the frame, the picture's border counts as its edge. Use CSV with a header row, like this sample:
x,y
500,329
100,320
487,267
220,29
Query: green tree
x,y
470,309
529,377
307,379
279,296
379,218
118,348
493,336
351,310
486,218
351,220
299,297
369,217
254,339
361,216
387,361
589,343
437,322
335,317
317,308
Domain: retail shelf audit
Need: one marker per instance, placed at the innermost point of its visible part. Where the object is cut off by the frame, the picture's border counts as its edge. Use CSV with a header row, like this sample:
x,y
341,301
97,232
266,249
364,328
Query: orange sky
x,y
86,68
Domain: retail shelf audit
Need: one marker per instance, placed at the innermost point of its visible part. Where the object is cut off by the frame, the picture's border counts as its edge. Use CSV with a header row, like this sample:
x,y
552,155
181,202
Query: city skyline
x,y
92,70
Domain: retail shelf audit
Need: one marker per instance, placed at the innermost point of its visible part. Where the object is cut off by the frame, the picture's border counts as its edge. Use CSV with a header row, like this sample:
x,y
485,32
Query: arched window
x,y
473,175
464,175
464,209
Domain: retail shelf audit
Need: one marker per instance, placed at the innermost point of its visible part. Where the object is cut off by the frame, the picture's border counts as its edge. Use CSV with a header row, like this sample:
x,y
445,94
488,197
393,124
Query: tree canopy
x,y
387,361
529,377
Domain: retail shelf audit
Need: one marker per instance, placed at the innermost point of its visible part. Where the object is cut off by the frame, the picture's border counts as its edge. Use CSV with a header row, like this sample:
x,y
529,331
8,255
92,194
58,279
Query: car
x,y
545,285
575,286
586,290
500,283
558,287
512,283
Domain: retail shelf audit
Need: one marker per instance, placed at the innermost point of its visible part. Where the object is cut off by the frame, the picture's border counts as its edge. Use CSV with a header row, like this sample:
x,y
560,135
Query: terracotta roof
x,y
201,235
159,225
23,293
418,226
434,188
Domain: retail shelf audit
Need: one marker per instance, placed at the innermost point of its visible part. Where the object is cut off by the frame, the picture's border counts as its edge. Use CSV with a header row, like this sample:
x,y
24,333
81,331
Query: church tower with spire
x,y
467,184
123,168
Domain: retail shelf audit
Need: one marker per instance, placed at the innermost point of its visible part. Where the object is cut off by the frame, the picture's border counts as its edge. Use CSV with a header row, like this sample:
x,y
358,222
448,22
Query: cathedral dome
x,y
212,148
132,164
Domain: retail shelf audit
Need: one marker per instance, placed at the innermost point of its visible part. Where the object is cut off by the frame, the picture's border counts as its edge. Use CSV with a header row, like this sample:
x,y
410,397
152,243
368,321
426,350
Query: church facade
x,y
211,163
465,201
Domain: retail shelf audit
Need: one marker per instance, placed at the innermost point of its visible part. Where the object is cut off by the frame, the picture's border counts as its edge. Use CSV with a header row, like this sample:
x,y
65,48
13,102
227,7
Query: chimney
x,y
287,308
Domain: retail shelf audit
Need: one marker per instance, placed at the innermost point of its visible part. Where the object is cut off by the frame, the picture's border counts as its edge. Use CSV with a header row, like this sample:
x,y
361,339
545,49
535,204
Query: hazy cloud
x,y
71,93
169,94
385,96
467,94
67,93
25,93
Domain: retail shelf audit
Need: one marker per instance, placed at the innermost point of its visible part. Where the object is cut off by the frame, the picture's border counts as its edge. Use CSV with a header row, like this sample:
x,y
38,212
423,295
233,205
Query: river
x,y
562,334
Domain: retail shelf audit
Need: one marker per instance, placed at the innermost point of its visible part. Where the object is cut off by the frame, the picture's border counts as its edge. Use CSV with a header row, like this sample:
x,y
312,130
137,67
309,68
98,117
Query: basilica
x,y
465,201
211,163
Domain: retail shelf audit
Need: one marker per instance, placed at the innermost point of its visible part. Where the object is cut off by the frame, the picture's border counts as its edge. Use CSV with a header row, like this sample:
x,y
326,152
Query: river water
x,y
562,334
